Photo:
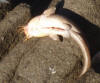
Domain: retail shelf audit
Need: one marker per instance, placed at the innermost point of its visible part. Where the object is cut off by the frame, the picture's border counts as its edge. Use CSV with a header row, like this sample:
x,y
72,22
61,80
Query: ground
x,y
43,60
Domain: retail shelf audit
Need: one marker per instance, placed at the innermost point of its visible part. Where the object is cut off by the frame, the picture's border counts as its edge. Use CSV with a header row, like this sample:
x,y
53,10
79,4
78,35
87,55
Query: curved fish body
x,y
52,25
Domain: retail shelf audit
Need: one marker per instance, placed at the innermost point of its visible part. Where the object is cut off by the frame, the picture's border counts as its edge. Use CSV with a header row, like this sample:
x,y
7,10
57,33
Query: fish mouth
x,y
27,32
24,29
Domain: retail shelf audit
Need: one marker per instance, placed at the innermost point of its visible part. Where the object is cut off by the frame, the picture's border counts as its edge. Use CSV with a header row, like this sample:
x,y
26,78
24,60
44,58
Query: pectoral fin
x,y
54,37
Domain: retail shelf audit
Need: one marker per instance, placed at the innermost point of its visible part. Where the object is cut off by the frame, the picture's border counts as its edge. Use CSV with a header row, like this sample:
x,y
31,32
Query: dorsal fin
x,y
50,11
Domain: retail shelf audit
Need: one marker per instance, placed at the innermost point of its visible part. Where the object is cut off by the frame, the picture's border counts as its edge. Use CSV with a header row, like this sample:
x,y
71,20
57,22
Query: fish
x,y
51,24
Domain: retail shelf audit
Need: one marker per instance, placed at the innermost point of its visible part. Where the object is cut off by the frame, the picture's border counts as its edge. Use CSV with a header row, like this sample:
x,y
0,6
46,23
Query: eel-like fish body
x,y
52,25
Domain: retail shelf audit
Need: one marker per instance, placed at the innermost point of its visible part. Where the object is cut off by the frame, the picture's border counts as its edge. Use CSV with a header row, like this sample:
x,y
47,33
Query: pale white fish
x,y
50,24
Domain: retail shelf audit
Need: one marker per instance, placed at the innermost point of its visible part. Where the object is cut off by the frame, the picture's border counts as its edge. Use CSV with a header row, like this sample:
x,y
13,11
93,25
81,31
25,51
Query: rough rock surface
x,y
42,60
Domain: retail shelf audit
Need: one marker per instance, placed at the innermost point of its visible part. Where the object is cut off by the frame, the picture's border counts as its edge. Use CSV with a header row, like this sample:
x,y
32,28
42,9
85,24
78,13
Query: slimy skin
x,y
52,25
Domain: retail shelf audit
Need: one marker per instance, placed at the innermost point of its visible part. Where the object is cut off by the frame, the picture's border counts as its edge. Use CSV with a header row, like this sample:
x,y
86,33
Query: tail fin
x,y
85,50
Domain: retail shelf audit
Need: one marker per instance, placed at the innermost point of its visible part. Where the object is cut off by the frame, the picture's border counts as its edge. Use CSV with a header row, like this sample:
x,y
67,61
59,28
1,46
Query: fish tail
x,y
85,50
